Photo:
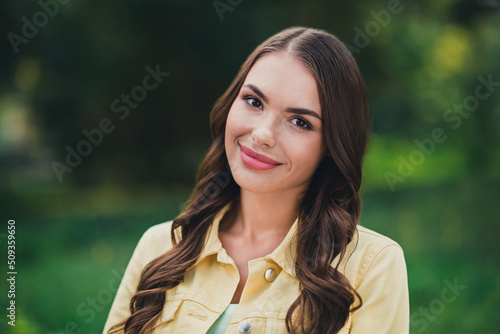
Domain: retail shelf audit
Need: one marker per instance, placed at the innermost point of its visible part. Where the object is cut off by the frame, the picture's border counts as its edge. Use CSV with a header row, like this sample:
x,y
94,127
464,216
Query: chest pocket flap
x,y
170,309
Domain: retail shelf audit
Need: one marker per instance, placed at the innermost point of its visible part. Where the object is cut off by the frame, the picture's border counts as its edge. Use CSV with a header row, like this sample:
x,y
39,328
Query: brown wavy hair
x,y
329,209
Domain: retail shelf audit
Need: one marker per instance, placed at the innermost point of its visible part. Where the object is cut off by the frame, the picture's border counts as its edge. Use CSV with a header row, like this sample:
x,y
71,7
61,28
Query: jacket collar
x,y
283,255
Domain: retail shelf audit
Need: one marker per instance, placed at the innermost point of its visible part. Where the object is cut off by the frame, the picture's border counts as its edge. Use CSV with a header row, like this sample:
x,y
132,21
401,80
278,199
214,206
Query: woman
x,y
269,241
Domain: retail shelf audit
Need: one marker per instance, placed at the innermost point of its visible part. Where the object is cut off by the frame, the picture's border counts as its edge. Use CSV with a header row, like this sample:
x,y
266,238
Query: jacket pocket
x,y
184,316
275,325
169,312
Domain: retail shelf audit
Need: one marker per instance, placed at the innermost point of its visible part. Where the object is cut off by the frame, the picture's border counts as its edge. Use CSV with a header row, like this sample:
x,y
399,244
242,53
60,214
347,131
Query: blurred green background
x,y
431,180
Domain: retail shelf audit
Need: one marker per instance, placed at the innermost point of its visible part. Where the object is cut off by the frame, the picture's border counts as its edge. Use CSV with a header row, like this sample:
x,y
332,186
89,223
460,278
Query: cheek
x,y
233,130
235,124
306,153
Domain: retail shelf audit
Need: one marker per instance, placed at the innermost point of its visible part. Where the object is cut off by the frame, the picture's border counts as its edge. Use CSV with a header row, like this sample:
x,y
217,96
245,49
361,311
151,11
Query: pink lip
x,y
256,160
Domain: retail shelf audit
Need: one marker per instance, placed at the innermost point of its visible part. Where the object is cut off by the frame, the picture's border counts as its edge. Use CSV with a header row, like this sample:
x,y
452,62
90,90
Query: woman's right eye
x,y
252,101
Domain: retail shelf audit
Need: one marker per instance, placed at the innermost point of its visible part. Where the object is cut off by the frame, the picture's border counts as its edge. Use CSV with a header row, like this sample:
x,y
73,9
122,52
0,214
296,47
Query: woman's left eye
x,y
301,123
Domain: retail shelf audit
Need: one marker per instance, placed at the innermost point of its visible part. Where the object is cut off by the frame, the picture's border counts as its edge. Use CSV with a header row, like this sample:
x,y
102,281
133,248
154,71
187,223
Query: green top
x,y
221,324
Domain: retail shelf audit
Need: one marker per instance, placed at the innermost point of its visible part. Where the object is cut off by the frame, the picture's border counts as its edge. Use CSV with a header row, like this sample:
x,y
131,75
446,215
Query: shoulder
x,y
155,241
368,240
375,267
158,230
371,252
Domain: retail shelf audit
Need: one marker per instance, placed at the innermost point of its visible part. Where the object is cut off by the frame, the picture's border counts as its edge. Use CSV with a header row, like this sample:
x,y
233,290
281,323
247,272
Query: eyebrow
x,y
300,111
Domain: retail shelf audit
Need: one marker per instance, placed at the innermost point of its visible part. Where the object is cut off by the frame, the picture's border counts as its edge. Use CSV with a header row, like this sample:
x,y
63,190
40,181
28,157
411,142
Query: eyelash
x,y
250,97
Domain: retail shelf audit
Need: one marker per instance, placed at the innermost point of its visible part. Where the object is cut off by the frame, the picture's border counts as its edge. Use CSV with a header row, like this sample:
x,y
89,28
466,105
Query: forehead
x,y
285,80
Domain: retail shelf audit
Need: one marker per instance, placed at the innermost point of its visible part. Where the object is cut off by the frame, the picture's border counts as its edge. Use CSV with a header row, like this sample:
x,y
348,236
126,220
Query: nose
x,y
263,133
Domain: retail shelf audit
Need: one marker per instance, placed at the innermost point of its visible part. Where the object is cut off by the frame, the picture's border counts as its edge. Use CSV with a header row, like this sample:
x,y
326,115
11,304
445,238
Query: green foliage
x,y
433,192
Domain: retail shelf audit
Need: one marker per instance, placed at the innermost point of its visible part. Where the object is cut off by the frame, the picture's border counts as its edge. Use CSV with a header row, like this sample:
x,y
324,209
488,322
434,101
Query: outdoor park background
x,y
422,61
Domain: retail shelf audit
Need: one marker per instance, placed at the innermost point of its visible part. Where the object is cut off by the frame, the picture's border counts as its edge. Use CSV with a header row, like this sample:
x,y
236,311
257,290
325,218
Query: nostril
x,y
263,135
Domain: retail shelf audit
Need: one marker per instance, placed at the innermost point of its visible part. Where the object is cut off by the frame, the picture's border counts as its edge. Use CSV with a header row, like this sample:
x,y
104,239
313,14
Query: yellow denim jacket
x,y
374,265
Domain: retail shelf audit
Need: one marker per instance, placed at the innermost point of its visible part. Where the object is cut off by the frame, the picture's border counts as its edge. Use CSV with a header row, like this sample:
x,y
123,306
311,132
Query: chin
x,y
256,184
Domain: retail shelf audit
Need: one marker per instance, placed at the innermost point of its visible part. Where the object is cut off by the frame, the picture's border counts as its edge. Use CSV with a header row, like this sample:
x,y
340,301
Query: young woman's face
x,y
273,136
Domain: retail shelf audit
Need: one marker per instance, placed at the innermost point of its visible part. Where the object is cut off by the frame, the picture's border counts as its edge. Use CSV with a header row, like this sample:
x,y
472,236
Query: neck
x,y
257,216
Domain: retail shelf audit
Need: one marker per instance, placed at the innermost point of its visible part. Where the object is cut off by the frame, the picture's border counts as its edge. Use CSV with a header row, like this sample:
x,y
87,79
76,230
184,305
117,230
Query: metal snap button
x,y
245,326
270,275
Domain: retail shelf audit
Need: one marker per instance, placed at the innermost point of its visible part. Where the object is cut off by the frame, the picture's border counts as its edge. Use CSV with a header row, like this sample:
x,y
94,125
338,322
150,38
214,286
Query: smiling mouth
x,y
255,160
258,156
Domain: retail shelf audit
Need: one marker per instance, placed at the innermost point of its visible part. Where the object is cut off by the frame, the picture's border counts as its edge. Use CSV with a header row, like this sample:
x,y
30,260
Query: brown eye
x,y
301,123
253,101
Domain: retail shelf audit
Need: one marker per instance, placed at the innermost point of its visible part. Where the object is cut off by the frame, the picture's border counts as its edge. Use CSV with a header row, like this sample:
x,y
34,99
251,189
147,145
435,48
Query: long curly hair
x,y
329,209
